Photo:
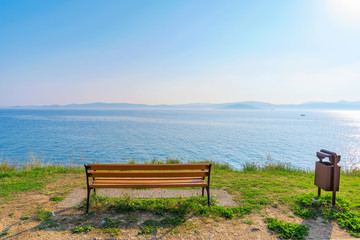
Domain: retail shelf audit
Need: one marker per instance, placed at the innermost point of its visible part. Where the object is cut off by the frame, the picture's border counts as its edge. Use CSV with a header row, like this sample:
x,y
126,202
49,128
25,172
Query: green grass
x,y
248,221
112,231
277,183
174,212
264,186
48,223
177,208
257,185
287,230
312,206
30,176
43,214
149,226
81,229
25,217
57,198
4,233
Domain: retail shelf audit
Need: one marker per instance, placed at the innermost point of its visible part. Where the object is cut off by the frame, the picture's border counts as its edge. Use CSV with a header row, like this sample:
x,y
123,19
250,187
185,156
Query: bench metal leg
x,y
202,193
95,191
208,194
88,198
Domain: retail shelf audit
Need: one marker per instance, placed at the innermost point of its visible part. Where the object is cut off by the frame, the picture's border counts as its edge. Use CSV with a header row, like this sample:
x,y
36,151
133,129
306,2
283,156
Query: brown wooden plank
x,y
137,181
149,174
148,185
148,166
149,179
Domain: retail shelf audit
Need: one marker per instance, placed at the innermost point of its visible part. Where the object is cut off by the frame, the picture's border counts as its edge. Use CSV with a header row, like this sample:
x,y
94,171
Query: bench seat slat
x,y
137,181
149,174
148,166
146,179
154,185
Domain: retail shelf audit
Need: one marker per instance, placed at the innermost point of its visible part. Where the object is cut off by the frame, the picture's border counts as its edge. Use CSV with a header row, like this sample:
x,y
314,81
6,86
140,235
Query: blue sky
x,y
174,52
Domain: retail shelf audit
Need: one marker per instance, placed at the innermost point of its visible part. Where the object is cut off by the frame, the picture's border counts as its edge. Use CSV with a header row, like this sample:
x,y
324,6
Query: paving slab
x,y
78,195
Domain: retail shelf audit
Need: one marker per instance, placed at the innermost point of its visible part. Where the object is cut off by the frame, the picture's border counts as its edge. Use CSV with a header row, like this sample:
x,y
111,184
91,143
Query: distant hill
x,y
239,106
97,105
103,105
341,105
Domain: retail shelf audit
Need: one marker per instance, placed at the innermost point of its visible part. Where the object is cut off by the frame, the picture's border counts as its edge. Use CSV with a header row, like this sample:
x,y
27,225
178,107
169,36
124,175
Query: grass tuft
x,y
43,214
81,229
149,226
251,167
4,233
354,172
215,165
24,217
287,230
6,167
57,198
270,165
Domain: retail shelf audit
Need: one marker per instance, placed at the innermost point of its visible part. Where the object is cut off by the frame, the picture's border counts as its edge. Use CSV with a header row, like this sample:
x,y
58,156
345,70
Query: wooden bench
x,y
147,176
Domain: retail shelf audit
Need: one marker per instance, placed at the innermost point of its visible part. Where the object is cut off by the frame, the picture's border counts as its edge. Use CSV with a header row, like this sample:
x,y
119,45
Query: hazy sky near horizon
x,y
174,52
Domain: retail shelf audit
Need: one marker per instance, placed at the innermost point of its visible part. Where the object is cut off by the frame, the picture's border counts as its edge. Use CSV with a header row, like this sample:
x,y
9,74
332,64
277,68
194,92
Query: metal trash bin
x,y
327,174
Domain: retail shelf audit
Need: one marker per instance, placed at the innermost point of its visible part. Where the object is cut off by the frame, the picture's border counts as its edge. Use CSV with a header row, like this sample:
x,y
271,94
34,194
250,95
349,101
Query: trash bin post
x,y
327,174
336,177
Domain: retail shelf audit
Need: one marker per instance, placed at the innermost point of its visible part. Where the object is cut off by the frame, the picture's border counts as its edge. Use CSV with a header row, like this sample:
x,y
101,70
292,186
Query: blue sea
x,y
225,136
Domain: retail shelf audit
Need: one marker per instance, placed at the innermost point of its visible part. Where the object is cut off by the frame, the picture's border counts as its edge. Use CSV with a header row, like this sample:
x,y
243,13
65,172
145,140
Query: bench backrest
x,y
148,170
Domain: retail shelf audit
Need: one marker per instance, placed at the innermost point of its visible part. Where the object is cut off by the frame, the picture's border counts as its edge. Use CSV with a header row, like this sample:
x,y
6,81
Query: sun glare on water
x,y
351,148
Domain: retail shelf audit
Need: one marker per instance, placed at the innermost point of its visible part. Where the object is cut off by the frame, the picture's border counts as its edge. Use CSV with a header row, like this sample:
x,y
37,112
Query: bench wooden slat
x,y
148,166
165,185
136,181
149,174
149,179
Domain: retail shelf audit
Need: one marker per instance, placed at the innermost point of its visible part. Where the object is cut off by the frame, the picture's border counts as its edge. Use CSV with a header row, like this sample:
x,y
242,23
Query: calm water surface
x,y
231,136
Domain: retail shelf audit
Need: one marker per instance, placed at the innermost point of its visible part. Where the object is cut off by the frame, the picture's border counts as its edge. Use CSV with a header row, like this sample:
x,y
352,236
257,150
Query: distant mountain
x,y
239,106
247,105
97,105
194,105
105,105
341,105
